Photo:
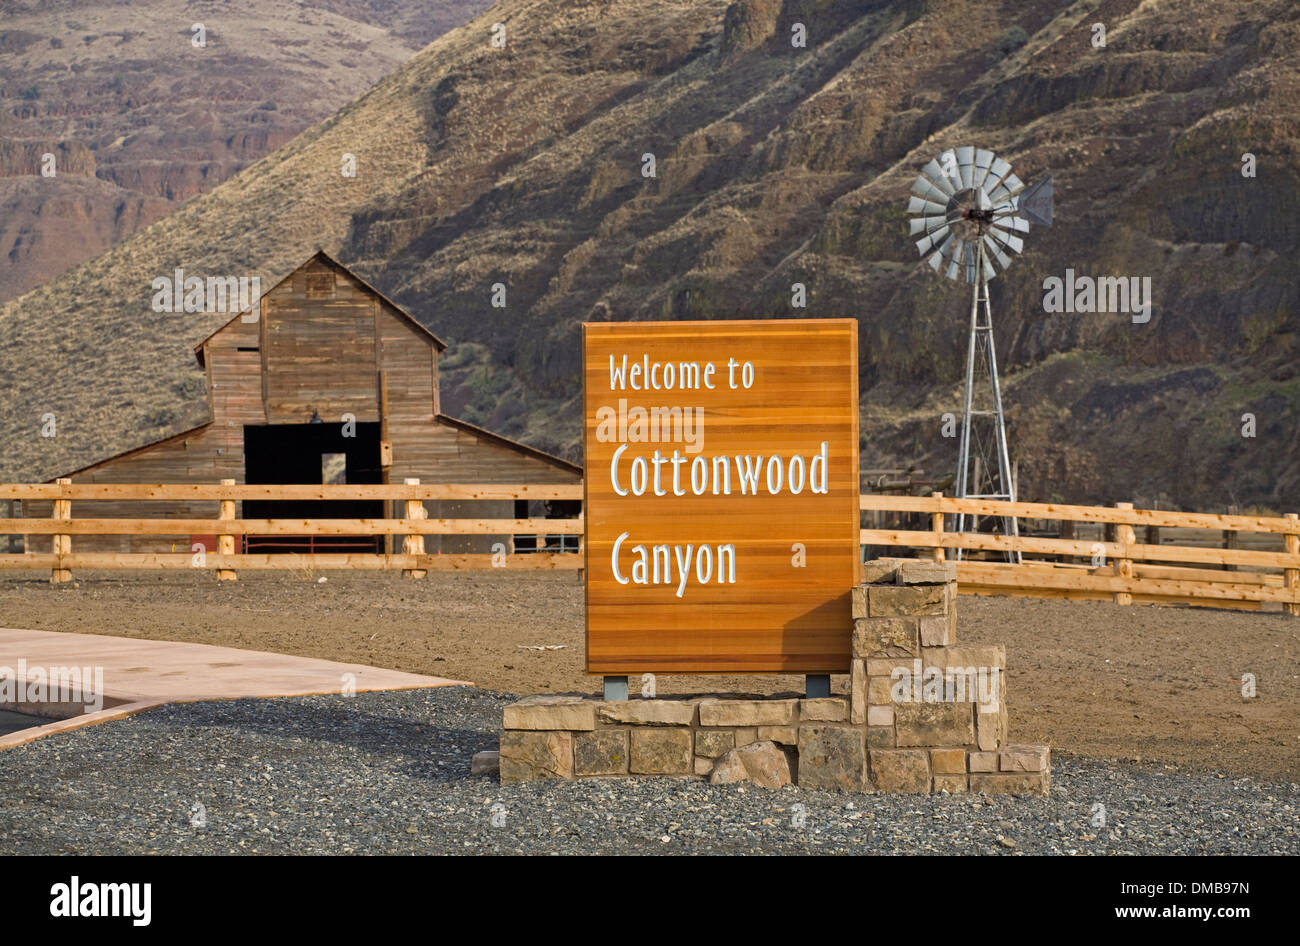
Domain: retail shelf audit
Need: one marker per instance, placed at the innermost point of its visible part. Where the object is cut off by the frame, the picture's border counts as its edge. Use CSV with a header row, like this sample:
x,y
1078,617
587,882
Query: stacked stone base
x,y
891,734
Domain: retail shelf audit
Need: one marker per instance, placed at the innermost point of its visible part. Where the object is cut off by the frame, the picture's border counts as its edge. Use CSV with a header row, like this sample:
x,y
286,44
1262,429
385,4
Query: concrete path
x,y
140,674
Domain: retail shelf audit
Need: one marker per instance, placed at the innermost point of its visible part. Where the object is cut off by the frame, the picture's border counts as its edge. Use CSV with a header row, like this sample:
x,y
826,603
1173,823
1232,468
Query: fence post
x,y
1123,565
1230,541
936,523
226,543
413,544
62,544
1291,576
1065,530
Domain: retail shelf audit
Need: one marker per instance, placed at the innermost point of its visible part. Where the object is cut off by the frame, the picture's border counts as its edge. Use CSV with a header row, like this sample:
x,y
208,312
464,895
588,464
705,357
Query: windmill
x,y
968,209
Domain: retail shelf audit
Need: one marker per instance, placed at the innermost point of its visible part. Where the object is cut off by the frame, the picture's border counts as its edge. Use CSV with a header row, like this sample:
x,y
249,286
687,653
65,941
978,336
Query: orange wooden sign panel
x,y
721,495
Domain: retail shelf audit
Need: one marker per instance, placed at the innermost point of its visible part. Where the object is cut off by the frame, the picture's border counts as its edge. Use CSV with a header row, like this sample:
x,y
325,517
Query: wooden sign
x,y
721,495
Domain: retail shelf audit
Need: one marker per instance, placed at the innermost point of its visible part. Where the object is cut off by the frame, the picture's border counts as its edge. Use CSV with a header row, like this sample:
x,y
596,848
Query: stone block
x,y
529,756
948,761
487,762
934,724
703,766
920,572
1011,783
761,763
900,770
832,757
745,735
952,784
858,695
983,761
662,752
880,571
859,598
785,735
885,666
879,691
886,637
890,601
938,630
647,712
747,712
991,729
602,752
880,737
880,715
1024,758
551,713
826,709
711,743
965,655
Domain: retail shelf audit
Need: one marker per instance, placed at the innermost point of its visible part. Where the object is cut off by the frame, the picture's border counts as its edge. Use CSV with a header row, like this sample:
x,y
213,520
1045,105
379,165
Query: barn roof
x,y
477,431
326,258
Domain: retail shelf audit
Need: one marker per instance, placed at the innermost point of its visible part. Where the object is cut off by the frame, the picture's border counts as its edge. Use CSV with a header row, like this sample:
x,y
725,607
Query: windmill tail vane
x,y
968,213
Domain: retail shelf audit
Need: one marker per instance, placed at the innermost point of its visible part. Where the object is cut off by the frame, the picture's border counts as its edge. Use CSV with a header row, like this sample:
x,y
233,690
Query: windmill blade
x,y
927,224
925,245
965,165
1036,202
948,163
996,250
935,175
997,172
919,205
956,256
989,271
1014,222
922,187
983,158
1008,188
1010,240
970,263
936,258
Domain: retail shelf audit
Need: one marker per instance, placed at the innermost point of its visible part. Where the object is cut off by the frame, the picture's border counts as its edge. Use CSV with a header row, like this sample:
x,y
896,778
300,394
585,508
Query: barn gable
x,y
323,369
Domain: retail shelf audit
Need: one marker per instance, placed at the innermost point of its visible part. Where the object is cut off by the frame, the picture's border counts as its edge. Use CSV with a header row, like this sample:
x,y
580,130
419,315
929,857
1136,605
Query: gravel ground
x,y
1136,684
388,773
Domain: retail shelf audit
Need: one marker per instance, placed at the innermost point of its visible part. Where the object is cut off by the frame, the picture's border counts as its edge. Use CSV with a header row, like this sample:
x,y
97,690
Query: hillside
x,y
775,165
140,120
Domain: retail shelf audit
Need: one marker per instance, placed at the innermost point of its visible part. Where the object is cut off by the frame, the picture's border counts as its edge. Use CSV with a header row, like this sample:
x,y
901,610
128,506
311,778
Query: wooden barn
x,y
325,381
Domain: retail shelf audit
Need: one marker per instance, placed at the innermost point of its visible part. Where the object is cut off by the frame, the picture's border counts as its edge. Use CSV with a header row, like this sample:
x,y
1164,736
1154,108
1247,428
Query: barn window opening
x,y
334,468
247,348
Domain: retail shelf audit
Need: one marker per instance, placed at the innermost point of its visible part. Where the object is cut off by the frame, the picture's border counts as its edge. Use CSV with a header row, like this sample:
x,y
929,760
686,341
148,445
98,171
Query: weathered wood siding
x,y
318,348
319,345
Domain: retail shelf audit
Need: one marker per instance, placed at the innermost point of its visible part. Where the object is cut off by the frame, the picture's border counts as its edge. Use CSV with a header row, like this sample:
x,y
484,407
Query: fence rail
x,y
412,526
1117,567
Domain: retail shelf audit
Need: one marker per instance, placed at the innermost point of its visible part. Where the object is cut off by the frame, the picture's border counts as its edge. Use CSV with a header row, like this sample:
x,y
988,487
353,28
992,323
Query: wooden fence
x,y
1214,572
1218,570
413,526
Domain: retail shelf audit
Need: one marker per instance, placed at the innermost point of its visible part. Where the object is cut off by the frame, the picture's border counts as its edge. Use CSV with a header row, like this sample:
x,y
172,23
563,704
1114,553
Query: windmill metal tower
x,y
967,207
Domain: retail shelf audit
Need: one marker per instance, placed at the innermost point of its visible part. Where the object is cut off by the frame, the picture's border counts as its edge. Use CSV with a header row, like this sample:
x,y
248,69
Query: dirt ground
x,y
1093,679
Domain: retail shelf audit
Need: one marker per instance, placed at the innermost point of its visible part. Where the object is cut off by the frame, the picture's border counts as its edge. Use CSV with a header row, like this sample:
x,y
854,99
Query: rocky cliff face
x,y
778,164
139,119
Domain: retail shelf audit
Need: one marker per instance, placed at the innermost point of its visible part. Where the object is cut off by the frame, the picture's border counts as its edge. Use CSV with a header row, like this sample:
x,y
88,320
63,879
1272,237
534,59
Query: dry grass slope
x,y
775,165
